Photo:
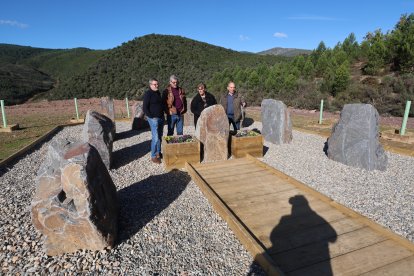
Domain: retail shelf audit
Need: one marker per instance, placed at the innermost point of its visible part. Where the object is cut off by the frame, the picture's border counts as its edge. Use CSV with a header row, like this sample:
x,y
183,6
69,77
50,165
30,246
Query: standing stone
x,y
189,116
354,139
276,123
213,132
99,131
108,108
75,205
138,117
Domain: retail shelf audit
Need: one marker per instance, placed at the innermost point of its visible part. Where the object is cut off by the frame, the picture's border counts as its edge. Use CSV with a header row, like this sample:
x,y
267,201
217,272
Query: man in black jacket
x,y
154,110
202,100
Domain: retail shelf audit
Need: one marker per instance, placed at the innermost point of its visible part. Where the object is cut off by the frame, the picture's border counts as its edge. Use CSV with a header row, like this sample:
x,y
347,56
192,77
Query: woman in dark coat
x,y
202,100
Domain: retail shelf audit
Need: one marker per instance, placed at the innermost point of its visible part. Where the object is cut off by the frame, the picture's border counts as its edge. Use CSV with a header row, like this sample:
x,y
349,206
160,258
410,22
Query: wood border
x,y
239,229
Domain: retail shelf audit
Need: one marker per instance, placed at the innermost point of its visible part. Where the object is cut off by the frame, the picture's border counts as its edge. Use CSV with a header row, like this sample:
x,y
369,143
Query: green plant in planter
x,y
244,133
179,139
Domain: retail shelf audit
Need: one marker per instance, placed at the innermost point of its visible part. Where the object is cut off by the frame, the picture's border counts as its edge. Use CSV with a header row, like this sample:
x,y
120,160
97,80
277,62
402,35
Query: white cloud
x,y
280,35
312,17
13,23
244,37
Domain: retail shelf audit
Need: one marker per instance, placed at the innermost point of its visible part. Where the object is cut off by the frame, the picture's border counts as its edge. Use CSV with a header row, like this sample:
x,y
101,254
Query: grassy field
x,y
36,119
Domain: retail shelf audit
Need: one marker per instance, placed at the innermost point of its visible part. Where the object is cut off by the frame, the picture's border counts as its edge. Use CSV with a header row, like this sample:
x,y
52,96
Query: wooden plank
x,y
359,261
290,240
401,267
230,163
259,176
242,170
248,195
246,238
266,231
324,250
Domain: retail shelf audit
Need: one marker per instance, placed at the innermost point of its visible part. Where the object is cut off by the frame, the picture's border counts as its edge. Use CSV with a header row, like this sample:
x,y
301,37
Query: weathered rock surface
x,y
138,117
99,131
108,107
213,132
75,205
354,139
277,126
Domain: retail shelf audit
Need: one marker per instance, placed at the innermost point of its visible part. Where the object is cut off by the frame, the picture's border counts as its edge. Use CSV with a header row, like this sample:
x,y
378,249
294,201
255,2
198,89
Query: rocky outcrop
x,y
75,205
354,139
213,132
99,131
276,123
138,117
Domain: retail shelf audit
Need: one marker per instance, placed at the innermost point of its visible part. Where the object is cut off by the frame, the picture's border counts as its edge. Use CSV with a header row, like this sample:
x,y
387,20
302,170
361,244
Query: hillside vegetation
x,y
26,71
125,70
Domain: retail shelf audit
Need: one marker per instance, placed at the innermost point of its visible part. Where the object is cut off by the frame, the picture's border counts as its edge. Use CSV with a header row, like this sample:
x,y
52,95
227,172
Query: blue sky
x,y
253,25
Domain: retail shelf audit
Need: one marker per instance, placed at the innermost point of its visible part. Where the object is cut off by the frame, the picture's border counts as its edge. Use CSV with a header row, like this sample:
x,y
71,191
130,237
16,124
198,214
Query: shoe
x,y
159,156
156,160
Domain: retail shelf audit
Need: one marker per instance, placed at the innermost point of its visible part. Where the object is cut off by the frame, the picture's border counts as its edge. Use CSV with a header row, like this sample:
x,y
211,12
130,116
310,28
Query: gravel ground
x,y
167,226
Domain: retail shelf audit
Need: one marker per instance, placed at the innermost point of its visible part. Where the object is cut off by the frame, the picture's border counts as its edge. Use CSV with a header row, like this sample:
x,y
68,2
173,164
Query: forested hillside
x,y
379,71
125,70
26,71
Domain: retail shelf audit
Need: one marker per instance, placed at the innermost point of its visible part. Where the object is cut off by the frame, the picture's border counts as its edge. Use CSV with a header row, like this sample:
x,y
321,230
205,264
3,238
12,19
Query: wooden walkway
x,y
292,229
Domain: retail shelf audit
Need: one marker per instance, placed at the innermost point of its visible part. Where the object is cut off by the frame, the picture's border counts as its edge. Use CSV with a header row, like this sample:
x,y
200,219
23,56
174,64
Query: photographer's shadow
x,y
301,240
142,201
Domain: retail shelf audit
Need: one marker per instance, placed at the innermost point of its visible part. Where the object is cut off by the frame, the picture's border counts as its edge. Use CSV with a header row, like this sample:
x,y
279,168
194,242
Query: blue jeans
x,y
236,125
173,120
156,125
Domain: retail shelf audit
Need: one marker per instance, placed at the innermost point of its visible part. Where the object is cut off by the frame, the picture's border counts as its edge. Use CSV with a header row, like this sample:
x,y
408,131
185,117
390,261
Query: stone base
x,y
9,128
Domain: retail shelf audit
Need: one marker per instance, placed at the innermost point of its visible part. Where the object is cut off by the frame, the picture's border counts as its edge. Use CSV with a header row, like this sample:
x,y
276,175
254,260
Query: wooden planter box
x,y
176,155
253,145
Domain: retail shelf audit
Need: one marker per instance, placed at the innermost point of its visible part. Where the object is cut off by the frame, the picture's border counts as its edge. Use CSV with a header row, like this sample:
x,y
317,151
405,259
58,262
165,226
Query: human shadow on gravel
x,y
126,155
325,147
143,200
299,242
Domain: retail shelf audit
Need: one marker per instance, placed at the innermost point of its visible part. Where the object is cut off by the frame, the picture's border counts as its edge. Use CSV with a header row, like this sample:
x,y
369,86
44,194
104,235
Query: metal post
x,y
404,123
3,113
127,106
76,107
320,112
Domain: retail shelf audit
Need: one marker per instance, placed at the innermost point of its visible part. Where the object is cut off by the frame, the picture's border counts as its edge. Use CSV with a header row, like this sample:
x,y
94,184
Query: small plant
x,y
244,133
179,139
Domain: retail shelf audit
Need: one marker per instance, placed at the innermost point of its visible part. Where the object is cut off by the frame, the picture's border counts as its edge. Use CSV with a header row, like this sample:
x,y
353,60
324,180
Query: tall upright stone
x,y
99,131
276,123
108,107
213,132
75,205
354,139
138,117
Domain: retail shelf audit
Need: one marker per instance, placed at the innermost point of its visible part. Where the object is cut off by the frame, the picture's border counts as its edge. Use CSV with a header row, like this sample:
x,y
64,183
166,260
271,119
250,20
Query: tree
x,y
401,44
341,79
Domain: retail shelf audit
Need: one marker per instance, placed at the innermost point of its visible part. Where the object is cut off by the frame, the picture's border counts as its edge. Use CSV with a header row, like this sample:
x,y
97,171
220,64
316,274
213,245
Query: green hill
x,y
26,71
125,70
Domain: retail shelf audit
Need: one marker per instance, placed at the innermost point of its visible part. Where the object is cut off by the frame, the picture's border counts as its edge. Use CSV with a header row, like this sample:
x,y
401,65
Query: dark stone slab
x,y
276,123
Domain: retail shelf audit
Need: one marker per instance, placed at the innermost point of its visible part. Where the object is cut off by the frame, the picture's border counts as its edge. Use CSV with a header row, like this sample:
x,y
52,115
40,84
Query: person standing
x,y
233,102
154,111
175,106
202,100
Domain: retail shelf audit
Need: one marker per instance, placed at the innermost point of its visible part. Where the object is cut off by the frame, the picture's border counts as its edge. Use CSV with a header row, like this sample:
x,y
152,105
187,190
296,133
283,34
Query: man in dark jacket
x,y
200,101
232,102
175,104
154,110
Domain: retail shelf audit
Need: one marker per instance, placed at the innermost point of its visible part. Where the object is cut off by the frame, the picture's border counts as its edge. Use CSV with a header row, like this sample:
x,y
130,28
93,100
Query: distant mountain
x,y
287,52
